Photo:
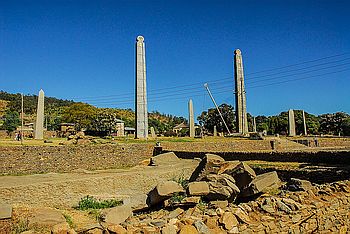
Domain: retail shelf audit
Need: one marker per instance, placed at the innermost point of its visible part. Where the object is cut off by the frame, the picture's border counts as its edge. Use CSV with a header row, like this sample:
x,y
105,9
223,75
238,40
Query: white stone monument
x,y
291,121
191,118
39,124
141,118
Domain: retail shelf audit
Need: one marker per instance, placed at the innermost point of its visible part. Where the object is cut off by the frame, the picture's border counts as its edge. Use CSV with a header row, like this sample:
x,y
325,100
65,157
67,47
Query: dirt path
x,y
65,190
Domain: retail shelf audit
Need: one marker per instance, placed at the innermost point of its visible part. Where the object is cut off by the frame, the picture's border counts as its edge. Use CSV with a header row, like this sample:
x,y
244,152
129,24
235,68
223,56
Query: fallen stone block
x,y
240,171
116,215
164,159
163,191
228,220
46,217
198,188
262,183
210,164
218,191
221,187
218,204
188,229
5,211
61,228
299,185
201,227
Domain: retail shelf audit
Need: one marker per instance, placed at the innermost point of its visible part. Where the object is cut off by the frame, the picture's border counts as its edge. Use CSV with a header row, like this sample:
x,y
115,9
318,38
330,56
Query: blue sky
x,y
84,50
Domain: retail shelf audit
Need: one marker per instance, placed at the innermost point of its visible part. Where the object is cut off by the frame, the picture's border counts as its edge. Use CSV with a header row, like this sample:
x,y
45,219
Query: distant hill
x,y
58,111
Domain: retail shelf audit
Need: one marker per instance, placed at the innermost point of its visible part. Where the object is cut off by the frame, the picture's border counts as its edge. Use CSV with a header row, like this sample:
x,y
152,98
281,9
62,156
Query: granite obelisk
x,y
141,120
254,124
304,123
240,94
291,122
39,124
191,118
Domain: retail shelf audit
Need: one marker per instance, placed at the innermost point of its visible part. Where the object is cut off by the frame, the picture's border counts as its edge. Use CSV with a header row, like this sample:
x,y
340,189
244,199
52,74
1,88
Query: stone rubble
x,y
227,197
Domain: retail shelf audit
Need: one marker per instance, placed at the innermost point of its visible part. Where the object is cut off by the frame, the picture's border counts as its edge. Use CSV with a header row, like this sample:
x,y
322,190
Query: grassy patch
x,y
89,202
21,226
69,220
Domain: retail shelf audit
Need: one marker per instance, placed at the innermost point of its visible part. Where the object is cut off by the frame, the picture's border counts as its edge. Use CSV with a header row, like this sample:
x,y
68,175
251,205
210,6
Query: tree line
x,y
330,124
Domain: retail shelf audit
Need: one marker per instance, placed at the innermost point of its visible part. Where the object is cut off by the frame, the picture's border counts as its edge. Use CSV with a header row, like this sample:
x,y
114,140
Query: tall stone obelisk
x,y
141,120
191,118
291,124
241,106
39,124
304,123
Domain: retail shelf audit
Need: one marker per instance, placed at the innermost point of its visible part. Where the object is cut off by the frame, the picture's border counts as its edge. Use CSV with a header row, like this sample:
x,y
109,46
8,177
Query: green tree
x,y
11,121
211,118
81,114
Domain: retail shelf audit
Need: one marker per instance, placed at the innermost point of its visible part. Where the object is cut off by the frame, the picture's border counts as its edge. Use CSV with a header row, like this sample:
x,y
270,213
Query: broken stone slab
x,y
221,187
299,185
169,229
210,164
116,215
118,229
218,191
186,202
262,183
241,216
61,228
175,213
201,227
46,217
240,171
164,159
163,191
199,188
218,204
228,220
188,229
5,211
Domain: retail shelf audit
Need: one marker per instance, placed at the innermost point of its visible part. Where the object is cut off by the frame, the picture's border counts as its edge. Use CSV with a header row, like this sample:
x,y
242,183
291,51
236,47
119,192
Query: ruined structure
x,y
240,94
141,118
39,125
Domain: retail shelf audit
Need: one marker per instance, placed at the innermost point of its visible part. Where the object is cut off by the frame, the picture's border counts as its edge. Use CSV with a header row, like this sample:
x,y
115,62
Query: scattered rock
x,y
61,228
164,159
210,164
299,185
262,183
5,211
241,172
163,191
116,215
218,204
188,229
228,220
175,213
201,227
116,229
198,188
46,217
169,229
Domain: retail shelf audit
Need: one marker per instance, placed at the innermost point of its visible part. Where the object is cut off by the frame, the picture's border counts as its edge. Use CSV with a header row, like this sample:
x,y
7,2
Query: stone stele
x,y
39,125
291,121
241,105
141,120
191,118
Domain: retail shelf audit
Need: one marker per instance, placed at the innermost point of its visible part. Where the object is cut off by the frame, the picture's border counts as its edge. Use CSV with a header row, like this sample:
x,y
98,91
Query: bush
x,y
89,202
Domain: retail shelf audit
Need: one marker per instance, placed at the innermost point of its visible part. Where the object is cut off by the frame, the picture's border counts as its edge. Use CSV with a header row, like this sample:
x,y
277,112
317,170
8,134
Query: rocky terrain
x,y
218,197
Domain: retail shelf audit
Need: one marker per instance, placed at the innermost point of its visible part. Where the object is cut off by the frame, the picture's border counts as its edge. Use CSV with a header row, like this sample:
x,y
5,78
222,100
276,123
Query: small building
x,y
129,131
119,128
67,127
179,127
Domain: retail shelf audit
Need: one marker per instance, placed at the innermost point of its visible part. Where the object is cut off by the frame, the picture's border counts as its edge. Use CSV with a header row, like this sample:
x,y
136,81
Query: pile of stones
x,y
213,180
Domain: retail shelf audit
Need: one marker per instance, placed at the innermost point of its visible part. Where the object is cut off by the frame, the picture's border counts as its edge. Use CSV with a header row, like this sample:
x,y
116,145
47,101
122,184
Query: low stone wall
x,y
316,157
43,159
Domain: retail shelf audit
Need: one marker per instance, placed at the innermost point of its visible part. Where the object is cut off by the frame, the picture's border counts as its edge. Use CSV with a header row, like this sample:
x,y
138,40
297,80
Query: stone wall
x,y
316,157
43,159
